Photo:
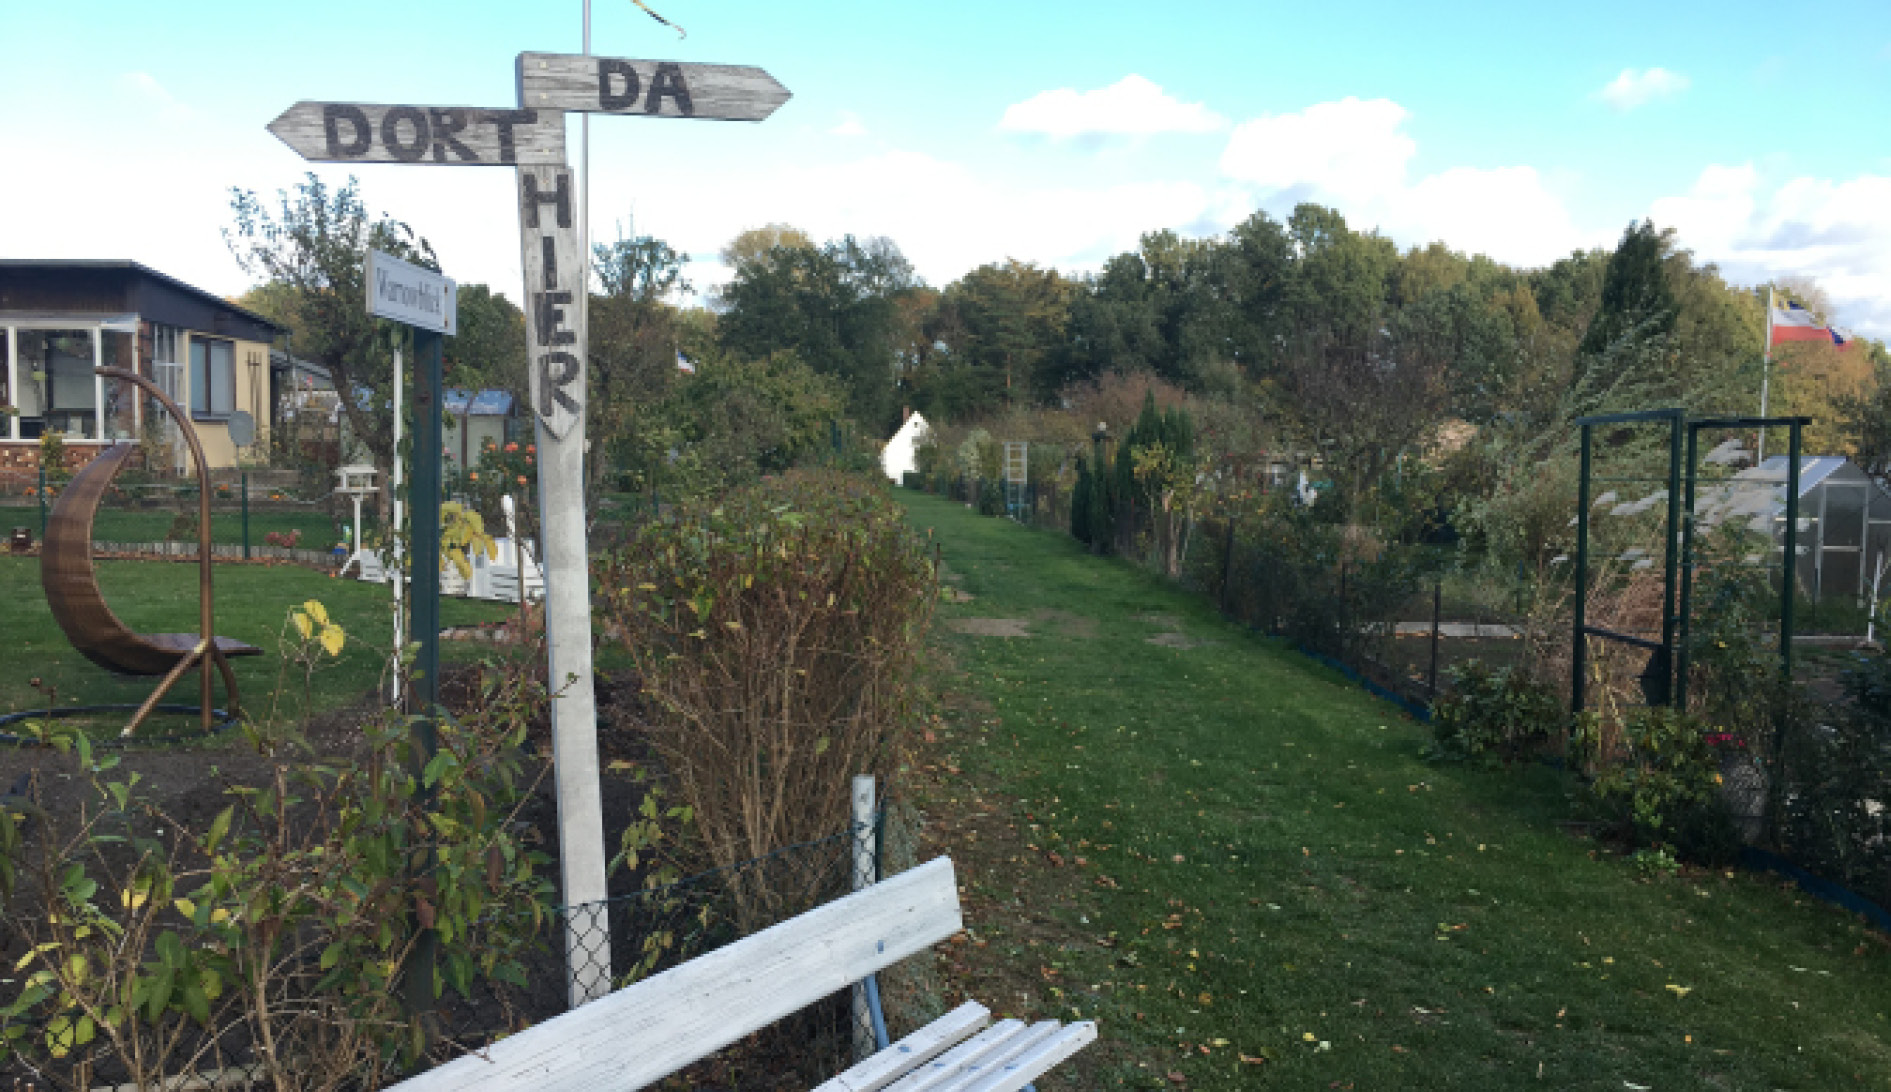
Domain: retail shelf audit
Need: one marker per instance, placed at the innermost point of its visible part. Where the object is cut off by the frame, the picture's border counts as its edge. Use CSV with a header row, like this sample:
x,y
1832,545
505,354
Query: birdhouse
x,y
355,481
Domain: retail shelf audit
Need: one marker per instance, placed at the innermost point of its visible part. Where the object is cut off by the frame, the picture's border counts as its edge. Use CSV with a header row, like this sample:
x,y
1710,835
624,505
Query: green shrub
x,y
777,633
991,498
284,929
1497,714
1835,777
1659,776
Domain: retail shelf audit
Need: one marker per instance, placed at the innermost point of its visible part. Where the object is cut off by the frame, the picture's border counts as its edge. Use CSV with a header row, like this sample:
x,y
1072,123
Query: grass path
x,y
1241,866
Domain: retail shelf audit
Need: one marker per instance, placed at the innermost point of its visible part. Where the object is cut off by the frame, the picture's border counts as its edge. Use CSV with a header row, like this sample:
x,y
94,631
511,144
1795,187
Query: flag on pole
x,y
1795,323
683,364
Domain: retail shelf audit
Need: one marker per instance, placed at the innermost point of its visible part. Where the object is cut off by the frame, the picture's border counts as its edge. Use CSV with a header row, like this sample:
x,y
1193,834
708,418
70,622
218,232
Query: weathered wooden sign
x,y
466,136
408,293
554,310
658,89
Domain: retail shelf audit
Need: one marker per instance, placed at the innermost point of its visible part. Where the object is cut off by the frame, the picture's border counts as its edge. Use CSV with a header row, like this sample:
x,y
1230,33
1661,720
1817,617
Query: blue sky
x,y
1048,130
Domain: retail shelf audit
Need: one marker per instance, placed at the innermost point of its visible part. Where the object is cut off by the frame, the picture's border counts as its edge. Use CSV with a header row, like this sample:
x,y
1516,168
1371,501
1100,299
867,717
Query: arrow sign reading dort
x,y
658,89
351,132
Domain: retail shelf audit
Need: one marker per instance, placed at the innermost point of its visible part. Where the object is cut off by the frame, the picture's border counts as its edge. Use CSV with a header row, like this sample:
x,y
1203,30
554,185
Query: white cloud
x,y
1632,88
945,215
1505,212
849,126
1838,232
1354,155
1351,149
1131,107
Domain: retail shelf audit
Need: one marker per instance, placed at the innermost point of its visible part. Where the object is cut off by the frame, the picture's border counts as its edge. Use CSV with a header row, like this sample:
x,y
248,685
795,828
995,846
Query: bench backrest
x,y
644,1032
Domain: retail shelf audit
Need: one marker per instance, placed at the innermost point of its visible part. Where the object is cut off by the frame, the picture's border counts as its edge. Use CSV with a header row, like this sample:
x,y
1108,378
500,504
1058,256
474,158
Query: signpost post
x,y
532,139
427,302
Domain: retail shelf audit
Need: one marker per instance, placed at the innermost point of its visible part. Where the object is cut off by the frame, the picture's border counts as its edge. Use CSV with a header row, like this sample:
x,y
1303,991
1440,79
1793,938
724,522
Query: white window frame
x,y
13,386
97,328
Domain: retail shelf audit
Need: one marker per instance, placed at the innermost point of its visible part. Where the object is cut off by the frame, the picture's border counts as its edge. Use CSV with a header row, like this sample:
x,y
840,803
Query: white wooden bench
x,y
640,1034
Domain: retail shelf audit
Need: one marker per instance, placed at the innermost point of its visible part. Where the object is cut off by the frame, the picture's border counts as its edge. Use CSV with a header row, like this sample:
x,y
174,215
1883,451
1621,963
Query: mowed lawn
x,y
252,605
1241,865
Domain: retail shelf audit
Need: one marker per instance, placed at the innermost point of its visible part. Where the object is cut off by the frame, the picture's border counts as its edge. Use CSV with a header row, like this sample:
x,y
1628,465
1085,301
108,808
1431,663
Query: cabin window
x,y
55,388
167,367
212,378
119,349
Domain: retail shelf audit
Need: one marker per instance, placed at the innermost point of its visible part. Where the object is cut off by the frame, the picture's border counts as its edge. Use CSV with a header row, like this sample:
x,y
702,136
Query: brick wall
x,y
23,456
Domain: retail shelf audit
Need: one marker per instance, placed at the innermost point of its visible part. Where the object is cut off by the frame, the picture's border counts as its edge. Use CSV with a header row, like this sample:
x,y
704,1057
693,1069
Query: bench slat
x,y
901,1058
646,1031
993,1048
1037,1061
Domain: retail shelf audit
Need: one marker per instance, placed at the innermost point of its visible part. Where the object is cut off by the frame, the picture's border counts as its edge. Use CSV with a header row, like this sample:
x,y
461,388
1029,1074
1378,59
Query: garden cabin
x,y
61,318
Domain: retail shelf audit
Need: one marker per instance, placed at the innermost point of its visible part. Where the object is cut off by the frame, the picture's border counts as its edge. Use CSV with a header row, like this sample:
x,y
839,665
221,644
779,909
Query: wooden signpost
x,y
532,138
459,136
655,89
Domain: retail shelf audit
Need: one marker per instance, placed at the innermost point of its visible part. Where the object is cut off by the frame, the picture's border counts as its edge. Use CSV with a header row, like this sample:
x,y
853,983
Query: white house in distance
x,y
900,456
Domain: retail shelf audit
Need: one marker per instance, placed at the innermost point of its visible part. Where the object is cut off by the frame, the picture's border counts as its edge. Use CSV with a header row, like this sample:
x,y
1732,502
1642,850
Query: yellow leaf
x,y
219,915
1680,991
302,623
133,899
316,611
186,907
332,638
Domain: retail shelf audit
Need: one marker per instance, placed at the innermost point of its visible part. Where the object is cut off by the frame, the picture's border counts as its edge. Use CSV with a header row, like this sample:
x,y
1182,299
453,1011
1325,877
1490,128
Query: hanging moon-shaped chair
x,y
65,571
72,591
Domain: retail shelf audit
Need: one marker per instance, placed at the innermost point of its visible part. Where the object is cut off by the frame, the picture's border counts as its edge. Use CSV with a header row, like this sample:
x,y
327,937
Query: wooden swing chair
x,y
72,591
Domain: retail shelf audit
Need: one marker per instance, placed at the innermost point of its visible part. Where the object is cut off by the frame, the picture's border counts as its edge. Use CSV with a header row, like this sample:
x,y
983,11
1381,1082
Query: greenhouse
x,y
1844,519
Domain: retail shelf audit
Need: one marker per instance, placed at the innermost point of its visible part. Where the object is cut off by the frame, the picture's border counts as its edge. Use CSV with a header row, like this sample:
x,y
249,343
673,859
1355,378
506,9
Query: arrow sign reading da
x,y
352,132
658,89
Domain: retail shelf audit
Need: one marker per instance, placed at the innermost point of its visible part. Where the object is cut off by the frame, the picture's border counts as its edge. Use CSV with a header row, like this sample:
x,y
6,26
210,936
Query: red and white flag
x,y
1795,323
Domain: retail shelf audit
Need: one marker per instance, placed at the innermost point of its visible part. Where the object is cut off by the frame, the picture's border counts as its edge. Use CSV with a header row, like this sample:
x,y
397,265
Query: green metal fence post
x,y
1790,574
1671,559
1687,571
246,515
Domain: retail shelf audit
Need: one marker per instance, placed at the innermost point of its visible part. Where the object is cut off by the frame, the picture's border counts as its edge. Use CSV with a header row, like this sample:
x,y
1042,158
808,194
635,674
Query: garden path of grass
x,y
1241,866
252,603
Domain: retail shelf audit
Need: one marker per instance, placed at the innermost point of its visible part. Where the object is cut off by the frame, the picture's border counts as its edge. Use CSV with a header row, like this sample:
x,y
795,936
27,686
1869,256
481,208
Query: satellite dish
x,y
242,429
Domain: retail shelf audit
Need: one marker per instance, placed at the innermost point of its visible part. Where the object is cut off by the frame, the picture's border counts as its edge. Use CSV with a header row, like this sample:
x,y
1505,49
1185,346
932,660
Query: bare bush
x,y
777,633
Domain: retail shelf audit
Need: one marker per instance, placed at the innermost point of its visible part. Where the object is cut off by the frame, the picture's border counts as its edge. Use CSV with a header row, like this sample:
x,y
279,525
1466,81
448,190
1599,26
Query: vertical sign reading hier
x,y
555,337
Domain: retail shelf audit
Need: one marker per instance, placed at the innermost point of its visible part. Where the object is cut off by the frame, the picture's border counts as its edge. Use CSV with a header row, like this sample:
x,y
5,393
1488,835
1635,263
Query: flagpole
x,y
1765,373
